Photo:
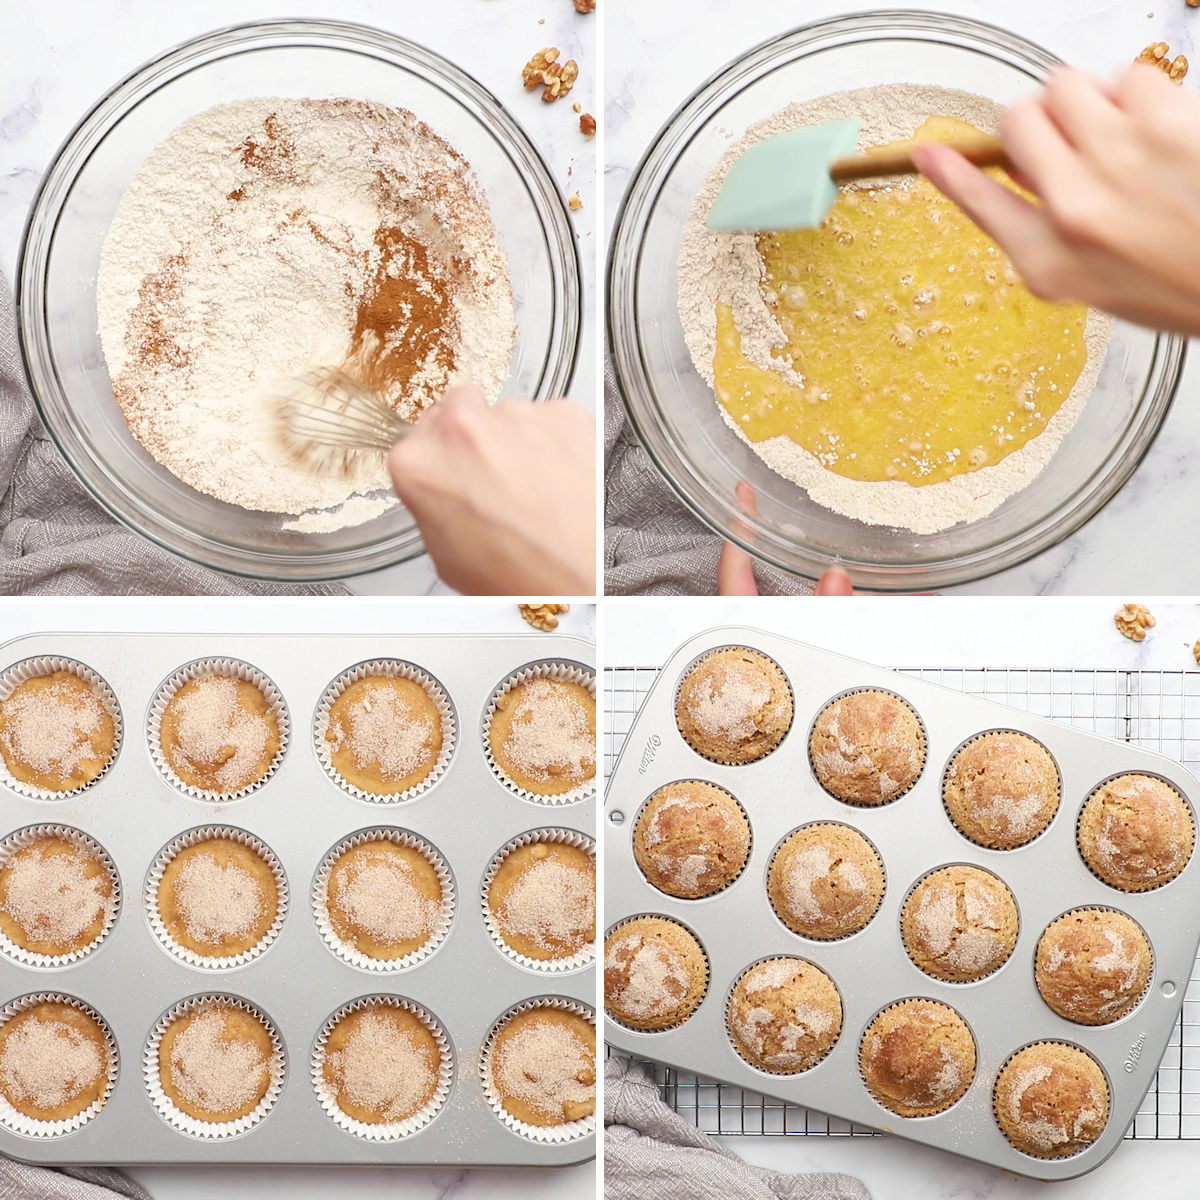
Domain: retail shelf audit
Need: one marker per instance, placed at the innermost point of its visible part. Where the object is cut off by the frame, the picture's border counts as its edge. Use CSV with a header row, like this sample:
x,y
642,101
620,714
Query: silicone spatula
x,y
789,181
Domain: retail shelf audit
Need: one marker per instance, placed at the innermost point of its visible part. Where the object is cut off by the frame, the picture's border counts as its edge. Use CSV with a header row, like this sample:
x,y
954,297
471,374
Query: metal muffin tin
x,y
913,834
130,979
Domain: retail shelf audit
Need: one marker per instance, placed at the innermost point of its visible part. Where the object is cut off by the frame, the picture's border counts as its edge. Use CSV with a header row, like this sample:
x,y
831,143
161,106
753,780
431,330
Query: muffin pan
x,y
297,982
1003,1011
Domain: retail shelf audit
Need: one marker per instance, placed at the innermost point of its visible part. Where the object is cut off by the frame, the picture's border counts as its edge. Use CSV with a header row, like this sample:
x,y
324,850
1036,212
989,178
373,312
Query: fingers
x,y
1084,113
835,582
735,568
1039,150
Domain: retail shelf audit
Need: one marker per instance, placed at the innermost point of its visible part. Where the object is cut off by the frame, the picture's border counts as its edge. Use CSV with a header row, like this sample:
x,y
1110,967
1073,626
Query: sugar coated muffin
x,y
784,1015
867,747
825,881
734,706
917,1057
959,923
542,900
57,731
1051,1100
1093,965
691,839
541,1067
1136,832
1001,789
655,973
542,735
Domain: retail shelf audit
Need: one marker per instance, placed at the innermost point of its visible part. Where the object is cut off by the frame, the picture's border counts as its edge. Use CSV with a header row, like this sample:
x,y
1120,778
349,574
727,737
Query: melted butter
x,y
923,355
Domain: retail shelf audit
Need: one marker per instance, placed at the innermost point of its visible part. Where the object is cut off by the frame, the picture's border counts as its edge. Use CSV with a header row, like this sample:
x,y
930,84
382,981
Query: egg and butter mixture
x,y
923,356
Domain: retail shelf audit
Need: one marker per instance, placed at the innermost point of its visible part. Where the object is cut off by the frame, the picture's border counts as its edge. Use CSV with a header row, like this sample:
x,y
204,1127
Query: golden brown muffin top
x,y
867,747
655,973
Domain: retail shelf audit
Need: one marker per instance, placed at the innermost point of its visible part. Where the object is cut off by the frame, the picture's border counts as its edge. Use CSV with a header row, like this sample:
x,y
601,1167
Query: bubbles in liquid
x,y
903,335
793,296
906,279
845,238
860,313
925,297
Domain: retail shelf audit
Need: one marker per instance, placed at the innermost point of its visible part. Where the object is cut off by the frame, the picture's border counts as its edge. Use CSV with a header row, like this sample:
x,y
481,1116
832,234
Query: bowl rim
x,y
673,137
291,566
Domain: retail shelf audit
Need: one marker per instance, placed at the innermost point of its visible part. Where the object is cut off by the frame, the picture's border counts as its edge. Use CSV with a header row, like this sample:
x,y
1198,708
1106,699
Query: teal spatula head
x,y
783,181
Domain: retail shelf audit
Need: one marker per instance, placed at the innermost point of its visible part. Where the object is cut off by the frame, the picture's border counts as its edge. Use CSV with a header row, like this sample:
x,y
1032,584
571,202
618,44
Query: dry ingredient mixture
x,y
907,380
269,237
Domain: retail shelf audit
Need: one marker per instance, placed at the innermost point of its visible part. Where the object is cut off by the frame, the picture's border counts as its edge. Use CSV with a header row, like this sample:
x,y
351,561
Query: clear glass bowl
x,y
56,282
673,410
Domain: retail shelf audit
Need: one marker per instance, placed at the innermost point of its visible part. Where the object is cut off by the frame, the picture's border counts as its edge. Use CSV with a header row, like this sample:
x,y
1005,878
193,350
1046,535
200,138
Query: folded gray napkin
x,y
19,1181
55,540
651,1153
652,545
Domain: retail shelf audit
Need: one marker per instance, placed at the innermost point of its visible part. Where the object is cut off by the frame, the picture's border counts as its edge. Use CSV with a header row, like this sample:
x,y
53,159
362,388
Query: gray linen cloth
x,y
651,1153
19,1181
55,540
652,545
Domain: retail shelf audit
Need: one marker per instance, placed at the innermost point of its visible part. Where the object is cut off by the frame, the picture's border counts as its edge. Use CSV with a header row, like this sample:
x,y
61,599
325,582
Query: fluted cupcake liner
x,y
569,1131
17,1121
561,837
193,837
619,925
223,667
211,1131
32,833
399,669
383,1131
351,954
32,668
562,672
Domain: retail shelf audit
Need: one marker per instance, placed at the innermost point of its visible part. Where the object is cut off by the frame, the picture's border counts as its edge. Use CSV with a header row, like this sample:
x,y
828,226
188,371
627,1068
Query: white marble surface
x,y
363,616
947,632
57,57
655,58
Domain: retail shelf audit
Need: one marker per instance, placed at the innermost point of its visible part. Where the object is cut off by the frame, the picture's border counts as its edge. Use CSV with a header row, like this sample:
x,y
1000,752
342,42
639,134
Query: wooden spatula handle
x,y
983,151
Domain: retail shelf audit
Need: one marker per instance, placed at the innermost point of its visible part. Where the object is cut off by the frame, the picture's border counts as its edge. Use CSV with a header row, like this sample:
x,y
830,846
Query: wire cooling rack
x,y
1156,710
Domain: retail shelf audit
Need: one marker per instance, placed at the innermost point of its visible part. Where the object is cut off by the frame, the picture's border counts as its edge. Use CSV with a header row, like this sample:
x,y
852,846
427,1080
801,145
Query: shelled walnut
x,y
1133,620
587,125
587,6
544,71
1158,54
543,616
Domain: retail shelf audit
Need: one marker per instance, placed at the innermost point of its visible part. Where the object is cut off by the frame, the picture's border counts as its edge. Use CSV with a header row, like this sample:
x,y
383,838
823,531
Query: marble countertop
x,y
654,60
58,57
1066,633
314,616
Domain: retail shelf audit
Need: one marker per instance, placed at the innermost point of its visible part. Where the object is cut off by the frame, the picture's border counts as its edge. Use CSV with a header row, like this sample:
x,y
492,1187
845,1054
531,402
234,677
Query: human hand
x,y
1117,170
504,495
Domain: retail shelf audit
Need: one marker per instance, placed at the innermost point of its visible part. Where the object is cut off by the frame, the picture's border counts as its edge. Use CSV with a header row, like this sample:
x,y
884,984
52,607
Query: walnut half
x,y
543,616
587,6
1158,54
1133,620
544,71
587,125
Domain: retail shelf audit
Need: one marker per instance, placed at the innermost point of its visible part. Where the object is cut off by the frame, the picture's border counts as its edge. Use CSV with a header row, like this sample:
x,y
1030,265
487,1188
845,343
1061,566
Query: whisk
x,y
326,422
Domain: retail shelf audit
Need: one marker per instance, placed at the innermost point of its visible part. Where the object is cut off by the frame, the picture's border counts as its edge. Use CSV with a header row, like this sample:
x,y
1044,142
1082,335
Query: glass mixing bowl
x,y
56,282
673,410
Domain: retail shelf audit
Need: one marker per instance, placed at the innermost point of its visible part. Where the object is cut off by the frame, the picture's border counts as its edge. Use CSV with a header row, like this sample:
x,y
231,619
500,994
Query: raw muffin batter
x,y
53,1061
268,237
542,900
542,1067
891,363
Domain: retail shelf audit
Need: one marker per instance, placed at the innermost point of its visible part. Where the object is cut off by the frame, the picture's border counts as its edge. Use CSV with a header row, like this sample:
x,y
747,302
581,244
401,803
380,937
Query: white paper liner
x,y
383,1131
31,668
351,954
32,833
154,879
569,1131
210,1131
194,670
18,1122
565,673
395,668
562,837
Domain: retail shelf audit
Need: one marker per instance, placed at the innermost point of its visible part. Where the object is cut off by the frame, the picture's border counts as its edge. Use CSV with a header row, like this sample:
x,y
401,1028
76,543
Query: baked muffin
x,y
57,731
1093,965
541,1067
57,894
867,747
217,897
381,1064
1051,1100
214,1062
1001,789
219,733
959,923
734,706
784,1015
655,973
384,899
825,881
542,735
54,1061
384,734
691,839
1136,833
542,900
917,1057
